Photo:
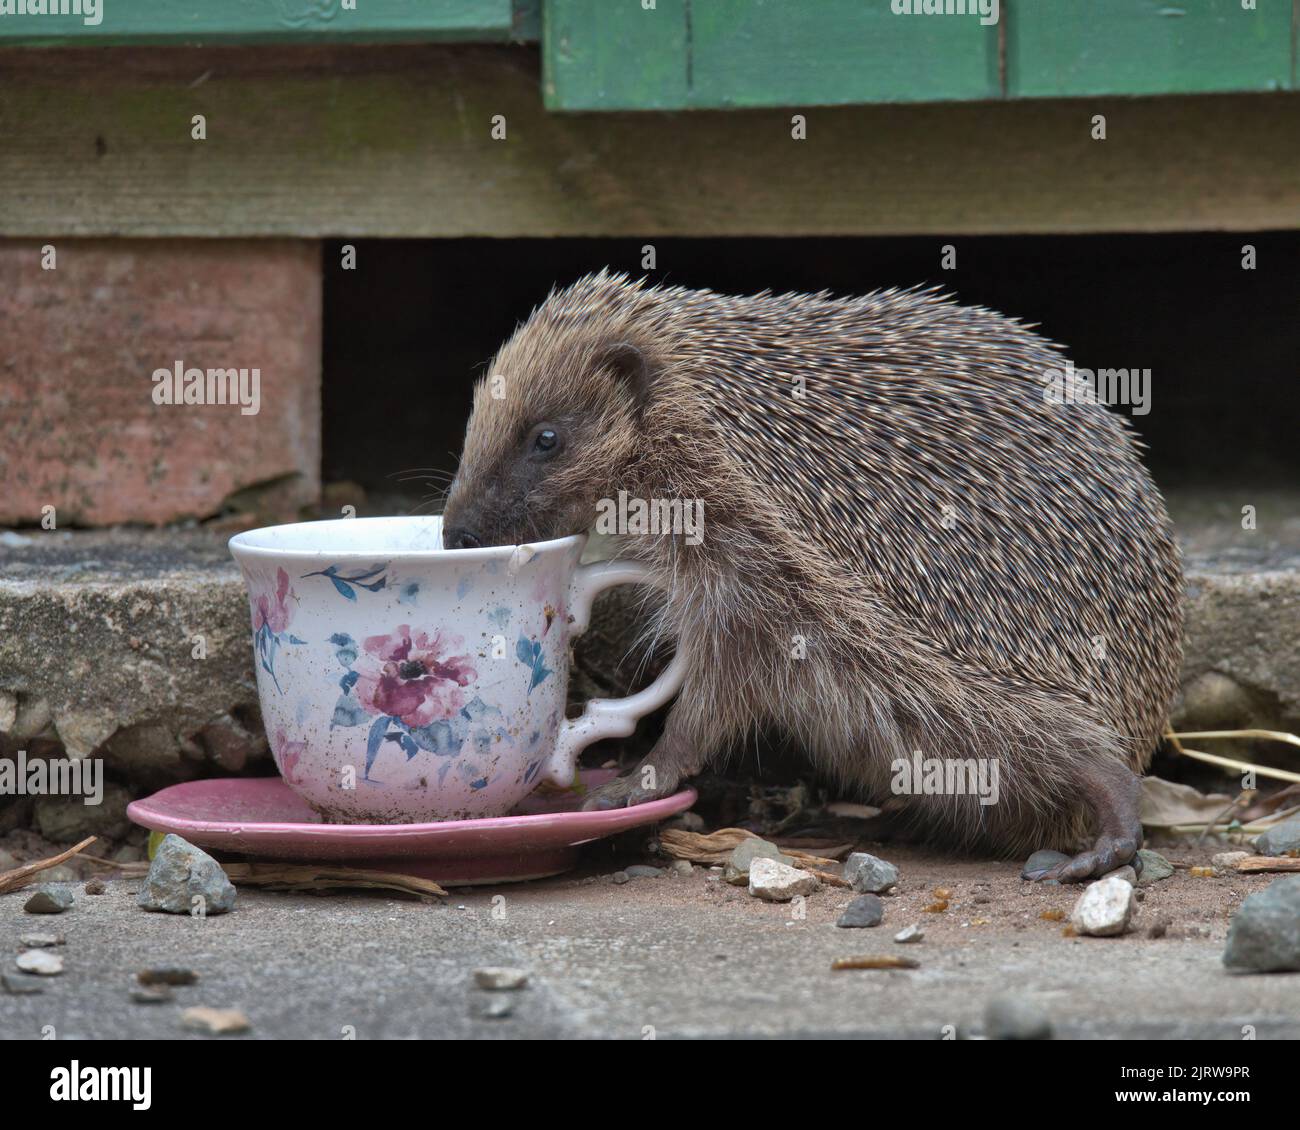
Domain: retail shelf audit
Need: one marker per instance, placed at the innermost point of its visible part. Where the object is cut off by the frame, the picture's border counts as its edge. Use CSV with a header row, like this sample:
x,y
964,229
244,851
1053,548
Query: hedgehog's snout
x,y
458,537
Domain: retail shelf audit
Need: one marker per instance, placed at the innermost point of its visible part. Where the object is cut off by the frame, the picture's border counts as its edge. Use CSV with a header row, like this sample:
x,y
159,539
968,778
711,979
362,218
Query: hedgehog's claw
x,y
624,792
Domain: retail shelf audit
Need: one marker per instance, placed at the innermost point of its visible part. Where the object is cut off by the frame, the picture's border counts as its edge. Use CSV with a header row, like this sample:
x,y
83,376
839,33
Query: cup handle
x,y
607,717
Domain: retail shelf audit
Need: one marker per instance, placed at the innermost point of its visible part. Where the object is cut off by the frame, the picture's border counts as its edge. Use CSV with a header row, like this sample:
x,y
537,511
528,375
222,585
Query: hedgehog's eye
x,y
546,440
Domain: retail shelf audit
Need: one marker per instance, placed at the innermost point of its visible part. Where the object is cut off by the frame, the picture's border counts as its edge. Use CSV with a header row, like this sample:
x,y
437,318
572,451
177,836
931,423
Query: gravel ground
x,y
672,957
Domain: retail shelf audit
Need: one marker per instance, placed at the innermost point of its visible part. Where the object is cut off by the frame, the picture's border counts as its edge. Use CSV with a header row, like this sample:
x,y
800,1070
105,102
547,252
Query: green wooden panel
x,y
712,54
252,21
615,55
1063,47
775,53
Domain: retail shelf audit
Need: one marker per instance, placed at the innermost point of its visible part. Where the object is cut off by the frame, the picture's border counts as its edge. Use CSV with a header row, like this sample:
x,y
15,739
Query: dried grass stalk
x,y
716,847
20,876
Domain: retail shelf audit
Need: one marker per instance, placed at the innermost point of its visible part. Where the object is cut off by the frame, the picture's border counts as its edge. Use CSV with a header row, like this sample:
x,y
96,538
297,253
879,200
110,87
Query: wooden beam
x,y
325,141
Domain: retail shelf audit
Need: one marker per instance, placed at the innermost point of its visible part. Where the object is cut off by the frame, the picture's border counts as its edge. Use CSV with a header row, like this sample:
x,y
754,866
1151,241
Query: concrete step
x,y
135,644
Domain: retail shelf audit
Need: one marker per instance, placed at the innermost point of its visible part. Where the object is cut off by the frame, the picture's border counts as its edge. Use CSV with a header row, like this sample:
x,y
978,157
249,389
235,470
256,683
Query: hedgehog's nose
x,y
460,538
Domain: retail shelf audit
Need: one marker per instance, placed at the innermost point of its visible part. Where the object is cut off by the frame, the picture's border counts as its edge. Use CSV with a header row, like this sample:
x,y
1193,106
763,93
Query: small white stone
x,y
908,934
40,961
1104,909
1228,860
215,1021
774,881
500,977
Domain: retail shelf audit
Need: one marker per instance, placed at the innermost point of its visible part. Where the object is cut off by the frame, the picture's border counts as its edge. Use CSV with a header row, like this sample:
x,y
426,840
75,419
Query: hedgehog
x,y
914,550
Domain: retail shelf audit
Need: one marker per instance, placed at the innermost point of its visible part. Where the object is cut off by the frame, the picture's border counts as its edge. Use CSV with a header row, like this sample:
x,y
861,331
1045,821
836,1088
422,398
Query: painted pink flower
x,y
411,677
286,755
273,607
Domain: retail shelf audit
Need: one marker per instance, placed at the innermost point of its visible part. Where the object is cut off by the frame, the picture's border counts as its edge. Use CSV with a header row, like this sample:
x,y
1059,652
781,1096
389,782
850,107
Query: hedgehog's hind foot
x,y
1113,792
1108,853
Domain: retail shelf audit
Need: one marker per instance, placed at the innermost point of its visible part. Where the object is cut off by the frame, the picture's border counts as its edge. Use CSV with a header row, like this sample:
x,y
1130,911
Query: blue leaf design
x,y
365,579
540,671
526,649
347,712
345,648
343,588
374,740
442,738
349,681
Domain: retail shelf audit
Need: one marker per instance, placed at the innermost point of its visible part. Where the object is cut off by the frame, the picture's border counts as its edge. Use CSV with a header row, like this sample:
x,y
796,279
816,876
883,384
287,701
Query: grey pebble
x,y
19,985
1281,839
500,977
1265,933
1155,868
736,870
865,910
50,898
182,873
641,871
868,874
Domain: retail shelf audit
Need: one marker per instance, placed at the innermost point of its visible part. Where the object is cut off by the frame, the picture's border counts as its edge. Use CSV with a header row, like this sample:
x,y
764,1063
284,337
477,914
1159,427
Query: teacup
x,y
401,682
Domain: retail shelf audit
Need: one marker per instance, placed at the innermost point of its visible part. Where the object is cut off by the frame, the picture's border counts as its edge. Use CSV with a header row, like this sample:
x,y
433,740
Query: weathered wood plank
x,y
1060,47
319,141
112,22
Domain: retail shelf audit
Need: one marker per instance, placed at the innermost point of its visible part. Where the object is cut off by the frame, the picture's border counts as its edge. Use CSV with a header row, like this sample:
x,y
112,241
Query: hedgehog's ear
x,y
630,368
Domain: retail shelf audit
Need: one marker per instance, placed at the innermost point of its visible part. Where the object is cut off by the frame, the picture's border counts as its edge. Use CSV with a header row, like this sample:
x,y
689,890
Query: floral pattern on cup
x,y
287,755
272,603
408,686
371,579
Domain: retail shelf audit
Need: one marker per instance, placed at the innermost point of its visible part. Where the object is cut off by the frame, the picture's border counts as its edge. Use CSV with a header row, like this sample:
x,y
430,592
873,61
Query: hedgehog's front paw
x,y
644,783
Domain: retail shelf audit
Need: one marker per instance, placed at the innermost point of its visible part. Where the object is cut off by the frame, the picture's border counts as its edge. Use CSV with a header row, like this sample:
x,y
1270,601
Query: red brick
x,y
79,428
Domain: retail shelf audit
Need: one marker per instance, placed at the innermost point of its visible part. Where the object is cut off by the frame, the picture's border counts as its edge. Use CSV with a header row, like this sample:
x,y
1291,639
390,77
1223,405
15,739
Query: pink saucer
x,y
262,816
